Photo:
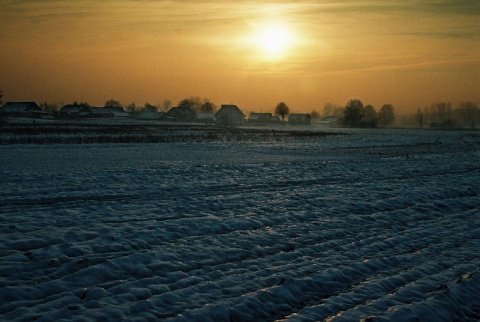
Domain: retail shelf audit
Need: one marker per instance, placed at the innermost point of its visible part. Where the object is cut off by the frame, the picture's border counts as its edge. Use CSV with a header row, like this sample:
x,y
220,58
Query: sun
x,y
274,40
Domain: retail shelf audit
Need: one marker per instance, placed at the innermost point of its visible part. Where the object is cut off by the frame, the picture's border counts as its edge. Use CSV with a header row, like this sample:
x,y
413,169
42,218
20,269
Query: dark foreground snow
x,y
377,225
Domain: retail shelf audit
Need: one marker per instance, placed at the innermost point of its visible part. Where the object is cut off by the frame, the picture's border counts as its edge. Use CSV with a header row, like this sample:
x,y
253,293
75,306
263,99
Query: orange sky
x,y
407,53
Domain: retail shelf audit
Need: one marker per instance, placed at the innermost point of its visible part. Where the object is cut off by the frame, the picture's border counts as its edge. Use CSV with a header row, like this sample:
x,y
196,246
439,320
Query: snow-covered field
x,y
379,225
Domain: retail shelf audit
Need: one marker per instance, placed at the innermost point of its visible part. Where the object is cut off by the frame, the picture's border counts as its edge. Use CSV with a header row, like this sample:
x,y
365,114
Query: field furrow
x,y
305,231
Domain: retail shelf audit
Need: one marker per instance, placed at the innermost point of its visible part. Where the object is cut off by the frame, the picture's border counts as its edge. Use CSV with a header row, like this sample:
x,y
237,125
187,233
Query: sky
x,y
255,54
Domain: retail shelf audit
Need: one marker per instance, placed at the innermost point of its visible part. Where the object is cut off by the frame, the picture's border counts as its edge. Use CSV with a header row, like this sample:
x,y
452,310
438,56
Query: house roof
x,y
205,116
21,107
260,116
149,115
150,108
180,110
72,108
117,111
230,109
97,111
299,117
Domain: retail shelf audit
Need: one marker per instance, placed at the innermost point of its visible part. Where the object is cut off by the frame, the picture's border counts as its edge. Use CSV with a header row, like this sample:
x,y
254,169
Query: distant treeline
x,y
443,115
438,115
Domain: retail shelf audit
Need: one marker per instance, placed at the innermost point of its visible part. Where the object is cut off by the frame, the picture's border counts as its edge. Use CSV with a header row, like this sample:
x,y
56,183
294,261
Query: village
x,y
440,115
227,114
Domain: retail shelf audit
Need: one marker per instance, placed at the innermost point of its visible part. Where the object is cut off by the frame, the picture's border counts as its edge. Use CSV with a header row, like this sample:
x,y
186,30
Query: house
x,y
71,110
206,118
229,115
263,118
260,118
84,111
299,119
117,111
149,114
181,114
330,121
95,112
21,109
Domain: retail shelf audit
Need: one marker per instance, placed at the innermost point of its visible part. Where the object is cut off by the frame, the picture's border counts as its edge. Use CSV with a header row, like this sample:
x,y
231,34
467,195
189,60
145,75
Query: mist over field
x,y
241,225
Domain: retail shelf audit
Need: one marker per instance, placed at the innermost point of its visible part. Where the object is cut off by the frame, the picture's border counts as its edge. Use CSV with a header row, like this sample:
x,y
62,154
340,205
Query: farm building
x,y
71,110
84,111
299,119
95,112
263,118
21,109
181,114
230,115
117,111
206,118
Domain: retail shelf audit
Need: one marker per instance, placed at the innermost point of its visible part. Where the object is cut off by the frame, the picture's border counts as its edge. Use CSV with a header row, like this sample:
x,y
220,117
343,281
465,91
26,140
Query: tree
x,y
207,106
329,109
193,102
386,115
198,105
131,107
81,103
353,112
49,108
112,103
469,113
166,105
149,107
442,114
370,117
419,118
315,116
282,110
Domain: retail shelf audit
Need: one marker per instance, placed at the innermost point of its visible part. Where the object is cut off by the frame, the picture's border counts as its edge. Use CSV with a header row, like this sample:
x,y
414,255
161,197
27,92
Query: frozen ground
x,y
374,225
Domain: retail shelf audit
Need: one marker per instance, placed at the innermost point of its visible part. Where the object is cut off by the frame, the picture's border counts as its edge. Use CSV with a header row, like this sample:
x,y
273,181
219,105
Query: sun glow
x,y
274,40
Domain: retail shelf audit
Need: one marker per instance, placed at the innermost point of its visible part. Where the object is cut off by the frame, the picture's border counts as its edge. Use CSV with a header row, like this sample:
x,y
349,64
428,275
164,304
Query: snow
x,y
380,225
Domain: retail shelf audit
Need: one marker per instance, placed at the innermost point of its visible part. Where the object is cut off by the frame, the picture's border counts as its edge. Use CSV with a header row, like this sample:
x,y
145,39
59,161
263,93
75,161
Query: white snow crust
x,y
376,225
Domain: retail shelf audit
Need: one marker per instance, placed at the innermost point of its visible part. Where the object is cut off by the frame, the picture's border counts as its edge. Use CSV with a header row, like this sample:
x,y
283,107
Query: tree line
x,y
354,113
438,115
443,115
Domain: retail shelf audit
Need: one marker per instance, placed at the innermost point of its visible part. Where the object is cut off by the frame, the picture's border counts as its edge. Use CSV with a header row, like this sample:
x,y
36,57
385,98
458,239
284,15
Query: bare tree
x,y
193,102
370,117
469,113
207,106
198,105
329,109
442,114
282,110
149,107
166,105
419,118
131,107
386,115
112,103
49,108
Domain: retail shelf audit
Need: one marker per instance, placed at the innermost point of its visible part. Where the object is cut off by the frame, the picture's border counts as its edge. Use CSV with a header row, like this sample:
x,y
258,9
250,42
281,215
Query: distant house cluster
x,y
227,115
22,109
